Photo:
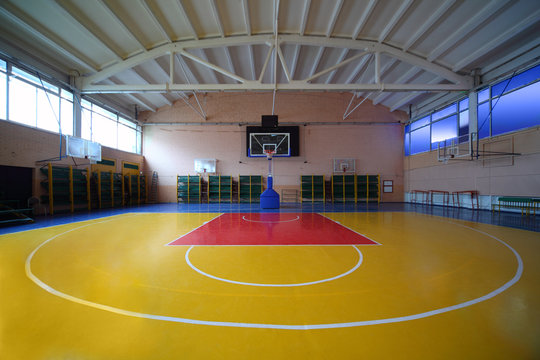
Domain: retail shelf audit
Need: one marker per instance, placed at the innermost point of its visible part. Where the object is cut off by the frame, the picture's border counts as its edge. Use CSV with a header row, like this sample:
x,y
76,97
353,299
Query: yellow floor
x,y
111,289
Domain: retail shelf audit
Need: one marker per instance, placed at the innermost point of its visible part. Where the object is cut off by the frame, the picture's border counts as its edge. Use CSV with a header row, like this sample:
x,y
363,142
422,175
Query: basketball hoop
x,y
269,153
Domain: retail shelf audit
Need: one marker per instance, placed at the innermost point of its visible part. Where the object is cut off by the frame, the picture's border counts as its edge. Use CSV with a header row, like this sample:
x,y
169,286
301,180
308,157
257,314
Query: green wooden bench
x,y
527,205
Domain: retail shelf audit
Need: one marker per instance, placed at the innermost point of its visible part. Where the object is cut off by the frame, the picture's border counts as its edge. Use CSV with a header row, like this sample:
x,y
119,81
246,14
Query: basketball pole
x,y
270,198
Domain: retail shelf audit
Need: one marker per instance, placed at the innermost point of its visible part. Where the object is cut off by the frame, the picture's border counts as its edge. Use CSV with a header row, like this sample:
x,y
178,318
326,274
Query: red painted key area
x,y
272,229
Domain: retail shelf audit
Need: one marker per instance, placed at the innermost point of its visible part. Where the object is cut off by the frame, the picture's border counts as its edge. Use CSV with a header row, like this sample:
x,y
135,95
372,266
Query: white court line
x,y
360,258
348,228
271,222
192,230
426,314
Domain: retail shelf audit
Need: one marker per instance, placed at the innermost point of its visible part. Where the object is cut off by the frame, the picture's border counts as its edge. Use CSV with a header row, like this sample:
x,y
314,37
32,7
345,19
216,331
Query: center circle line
x,y
120,311
360,259
271,222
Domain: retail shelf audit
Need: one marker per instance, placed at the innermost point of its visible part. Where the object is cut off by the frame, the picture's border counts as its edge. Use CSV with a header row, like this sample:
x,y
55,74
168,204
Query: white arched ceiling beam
x,y
457,82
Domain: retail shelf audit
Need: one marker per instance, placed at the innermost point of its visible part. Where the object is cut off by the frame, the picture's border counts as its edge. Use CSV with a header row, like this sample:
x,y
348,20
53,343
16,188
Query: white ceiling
x,y
154,52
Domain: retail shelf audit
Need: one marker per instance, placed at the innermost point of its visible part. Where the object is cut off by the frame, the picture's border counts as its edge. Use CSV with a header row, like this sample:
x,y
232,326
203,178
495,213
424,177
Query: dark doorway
x,y
15,185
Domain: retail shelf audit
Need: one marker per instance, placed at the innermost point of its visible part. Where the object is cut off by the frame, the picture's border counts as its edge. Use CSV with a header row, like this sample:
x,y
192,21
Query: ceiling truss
x,y
454,81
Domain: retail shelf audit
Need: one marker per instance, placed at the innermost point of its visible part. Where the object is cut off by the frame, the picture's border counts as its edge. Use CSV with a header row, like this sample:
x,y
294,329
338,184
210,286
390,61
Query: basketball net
x,y
269,154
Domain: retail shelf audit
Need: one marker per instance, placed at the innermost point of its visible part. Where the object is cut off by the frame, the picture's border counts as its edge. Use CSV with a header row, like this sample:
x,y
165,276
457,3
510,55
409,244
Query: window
x,y
513,104
101,125
419,123
442,130
484,120
38,103
517,110
517,81
22,102
406,140
464,104
463,125
420,140
444,124
127,138
3,94
483,95
48,111
449,110
86,124
33,101
104,130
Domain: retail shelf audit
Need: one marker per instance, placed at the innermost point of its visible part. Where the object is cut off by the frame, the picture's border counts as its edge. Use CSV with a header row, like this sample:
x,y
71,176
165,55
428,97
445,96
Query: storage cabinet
x,y
343,188
219,188
312,188
67,189
368,188
250,188
188,188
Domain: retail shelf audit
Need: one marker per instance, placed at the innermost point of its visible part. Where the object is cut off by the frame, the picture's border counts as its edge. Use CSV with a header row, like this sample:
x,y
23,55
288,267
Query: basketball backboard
x,y
261,142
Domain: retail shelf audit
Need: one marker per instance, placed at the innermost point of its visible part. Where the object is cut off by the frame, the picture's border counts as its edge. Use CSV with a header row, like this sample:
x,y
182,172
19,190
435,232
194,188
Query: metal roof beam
x,y
497,40
294,61
127,64
342,56
361,64
128,32
229,59
186,19
402,79
186,69
141,78
73,18
268,55
247,20
446,5
316,62
215,12
212,66
134,98
45,36
368,46
284,64
256,85
155,20
334,17
364,18
408,98
251,62
403,101
305,14
395,19
335,67
205,58
474,22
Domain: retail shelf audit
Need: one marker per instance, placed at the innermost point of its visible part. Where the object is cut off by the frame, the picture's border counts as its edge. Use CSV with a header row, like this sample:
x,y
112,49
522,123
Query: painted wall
x,y
171,149
24,146
492,176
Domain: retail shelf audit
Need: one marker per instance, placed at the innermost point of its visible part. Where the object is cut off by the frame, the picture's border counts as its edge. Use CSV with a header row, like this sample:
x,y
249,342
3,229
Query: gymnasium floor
x,y
230,282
